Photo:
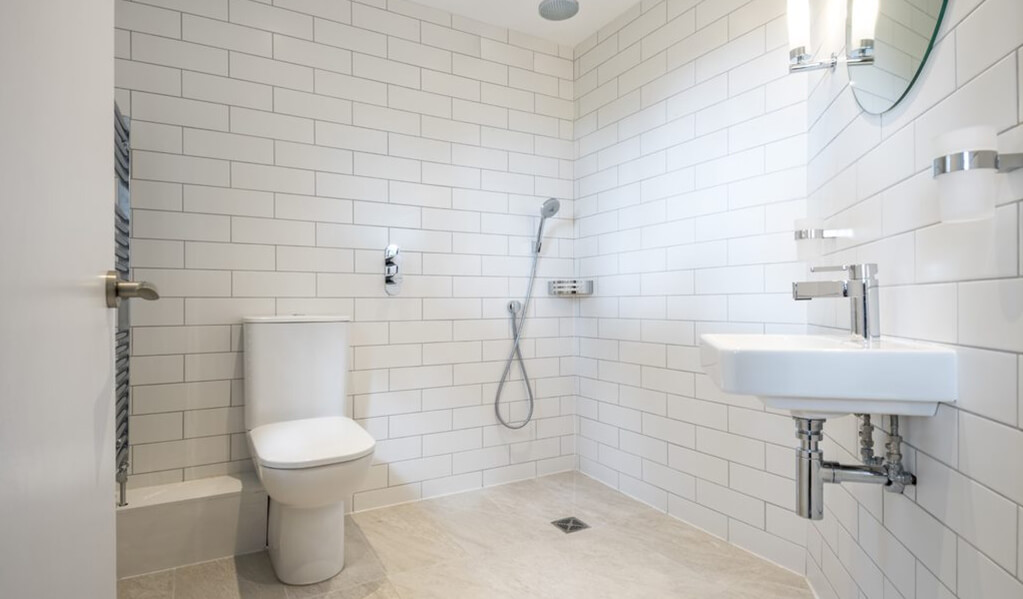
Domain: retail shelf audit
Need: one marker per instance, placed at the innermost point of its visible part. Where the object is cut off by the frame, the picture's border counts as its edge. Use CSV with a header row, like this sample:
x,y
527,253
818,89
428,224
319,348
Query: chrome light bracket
x,y
800,61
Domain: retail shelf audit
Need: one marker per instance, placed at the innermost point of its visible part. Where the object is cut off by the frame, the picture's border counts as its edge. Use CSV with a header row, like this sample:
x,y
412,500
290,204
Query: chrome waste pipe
x,y
812,471
809,482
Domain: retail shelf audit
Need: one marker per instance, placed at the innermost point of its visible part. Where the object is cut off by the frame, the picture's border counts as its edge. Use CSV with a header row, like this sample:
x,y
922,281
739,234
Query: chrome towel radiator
x,y
122,263
118,288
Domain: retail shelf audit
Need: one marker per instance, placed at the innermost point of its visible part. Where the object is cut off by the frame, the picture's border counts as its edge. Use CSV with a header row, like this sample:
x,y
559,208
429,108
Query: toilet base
x,y
307,545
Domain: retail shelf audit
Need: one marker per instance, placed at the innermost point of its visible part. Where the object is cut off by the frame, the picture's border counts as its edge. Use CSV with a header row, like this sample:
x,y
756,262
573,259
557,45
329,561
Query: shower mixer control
x,y
392,270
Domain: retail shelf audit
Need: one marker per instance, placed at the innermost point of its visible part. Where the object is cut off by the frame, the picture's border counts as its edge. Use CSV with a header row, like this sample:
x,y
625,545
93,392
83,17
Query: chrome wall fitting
x,y
867,442
974,159
569,288
861,289
812,471
800,61
808,234
392,270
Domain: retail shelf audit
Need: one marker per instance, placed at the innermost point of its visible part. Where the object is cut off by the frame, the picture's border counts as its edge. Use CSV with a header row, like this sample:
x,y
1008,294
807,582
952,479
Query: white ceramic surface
x,y
825,376
294,368
309,456
310,442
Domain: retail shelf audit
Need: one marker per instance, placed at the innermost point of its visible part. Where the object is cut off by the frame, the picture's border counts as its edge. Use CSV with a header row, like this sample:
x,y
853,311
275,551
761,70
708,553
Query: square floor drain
x,y
570,524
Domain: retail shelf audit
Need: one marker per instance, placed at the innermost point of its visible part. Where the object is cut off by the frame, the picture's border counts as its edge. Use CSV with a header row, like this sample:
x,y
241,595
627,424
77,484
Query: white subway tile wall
x,y
690,170
278,150
696,151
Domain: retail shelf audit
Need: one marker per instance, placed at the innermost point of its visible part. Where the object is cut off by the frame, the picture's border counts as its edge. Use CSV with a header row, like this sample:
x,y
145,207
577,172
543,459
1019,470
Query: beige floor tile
x,y
381,589
150,586
255,577
406,537
202,581
498,543
242,577
567,494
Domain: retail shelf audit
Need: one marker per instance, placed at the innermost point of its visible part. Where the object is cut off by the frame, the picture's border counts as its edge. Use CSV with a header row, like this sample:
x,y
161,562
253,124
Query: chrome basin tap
x,y
861,289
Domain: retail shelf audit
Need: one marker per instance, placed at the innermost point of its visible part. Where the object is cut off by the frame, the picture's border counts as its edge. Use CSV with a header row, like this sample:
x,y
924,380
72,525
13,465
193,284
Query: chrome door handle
x,y
118,289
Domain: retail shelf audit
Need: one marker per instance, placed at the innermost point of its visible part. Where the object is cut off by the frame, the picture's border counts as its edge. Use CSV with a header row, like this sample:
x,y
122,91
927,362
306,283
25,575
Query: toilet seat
x,y
311,442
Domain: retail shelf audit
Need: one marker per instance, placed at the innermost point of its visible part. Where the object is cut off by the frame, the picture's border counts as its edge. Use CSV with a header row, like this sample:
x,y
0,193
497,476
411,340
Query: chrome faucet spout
x,y
862,290
808,290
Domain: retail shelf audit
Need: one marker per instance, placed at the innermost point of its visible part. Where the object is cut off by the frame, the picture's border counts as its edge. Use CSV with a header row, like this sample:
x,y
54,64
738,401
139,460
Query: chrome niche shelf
x,y
570,288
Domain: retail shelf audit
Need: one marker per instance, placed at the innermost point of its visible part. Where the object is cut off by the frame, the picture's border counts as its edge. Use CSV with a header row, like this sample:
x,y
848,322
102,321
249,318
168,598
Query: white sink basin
x,y
819,376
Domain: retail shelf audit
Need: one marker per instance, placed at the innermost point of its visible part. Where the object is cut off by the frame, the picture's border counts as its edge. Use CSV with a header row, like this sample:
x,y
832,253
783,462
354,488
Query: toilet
x,y
308,455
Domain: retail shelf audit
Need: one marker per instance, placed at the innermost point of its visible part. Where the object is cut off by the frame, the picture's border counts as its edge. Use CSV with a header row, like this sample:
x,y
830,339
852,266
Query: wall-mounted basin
x,y
822,376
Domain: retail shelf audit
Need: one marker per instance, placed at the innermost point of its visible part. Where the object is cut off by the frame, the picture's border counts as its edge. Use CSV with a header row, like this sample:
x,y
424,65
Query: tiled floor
x,y
498,543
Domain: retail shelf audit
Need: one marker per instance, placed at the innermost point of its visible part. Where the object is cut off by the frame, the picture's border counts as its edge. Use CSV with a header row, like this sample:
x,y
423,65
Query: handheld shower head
x,y
550,208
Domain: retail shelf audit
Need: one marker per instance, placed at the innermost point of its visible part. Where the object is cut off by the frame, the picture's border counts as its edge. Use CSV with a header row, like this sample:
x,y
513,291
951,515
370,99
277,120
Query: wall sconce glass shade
x,y
966,169
798,16
863,23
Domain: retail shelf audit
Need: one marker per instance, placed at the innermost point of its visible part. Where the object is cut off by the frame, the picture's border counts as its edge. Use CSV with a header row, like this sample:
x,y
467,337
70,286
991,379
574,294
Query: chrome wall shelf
x,y
569,287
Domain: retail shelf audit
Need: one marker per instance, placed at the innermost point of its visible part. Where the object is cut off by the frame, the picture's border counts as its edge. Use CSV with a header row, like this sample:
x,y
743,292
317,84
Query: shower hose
x,y
517,325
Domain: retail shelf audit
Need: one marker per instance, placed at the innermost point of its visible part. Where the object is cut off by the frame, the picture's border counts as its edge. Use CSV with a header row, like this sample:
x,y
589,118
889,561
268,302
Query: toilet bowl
x,y
308,455
309,468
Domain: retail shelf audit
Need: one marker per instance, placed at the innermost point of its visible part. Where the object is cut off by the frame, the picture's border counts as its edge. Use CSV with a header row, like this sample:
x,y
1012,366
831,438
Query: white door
x,y
56,346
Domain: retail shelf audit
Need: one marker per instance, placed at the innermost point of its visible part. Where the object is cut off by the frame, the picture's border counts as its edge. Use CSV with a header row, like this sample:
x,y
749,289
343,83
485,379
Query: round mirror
x,y
903,39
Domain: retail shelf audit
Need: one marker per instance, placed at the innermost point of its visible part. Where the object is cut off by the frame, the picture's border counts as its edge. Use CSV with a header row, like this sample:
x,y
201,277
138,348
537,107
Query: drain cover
x,y
570,524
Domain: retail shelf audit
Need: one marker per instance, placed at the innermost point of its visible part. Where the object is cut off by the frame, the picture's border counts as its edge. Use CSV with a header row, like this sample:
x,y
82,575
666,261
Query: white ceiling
x,y
522,16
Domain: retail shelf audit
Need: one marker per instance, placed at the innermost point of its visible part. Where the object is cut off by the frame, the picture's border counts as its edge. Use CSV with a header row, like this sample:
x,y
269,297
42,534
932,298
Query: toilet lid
x,y
310,442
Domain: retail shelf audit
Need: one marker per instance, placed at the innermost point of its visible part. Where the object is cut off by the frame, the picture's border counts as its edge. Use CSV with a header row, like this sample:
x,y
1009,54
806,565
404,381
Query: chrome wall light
x,y
862,22
966,169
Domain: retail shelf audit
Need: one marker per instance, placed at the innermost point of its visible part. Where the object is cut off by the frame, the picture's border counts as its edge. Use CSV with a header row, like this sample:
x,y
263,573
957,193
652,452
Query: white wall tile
x,y
981,438
272,72
990,314
226,91
173,53
147,77
178,111
335,10
979,577
352,38
979,515
272,178
256,14
216,33
226,146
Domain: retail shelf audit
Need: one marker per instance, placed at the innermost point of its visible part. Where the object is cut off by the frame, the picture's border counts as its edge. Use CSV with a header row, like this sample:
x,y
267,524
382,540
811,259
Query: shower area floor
x,y
499,543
